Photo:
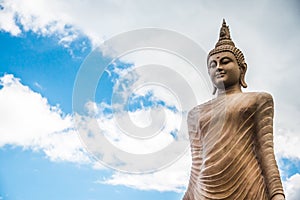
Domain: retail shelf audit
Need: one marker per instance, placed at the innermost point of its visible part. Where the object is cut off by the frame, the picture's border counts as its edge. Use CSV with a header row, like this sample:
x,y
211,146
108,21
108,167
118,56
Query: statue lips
x,y
220,74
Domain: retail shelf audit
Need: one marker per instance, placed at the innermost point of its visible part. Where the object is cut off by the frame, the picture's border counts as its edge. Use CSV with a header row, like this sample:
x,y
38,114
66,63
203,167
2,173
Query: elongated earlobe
x,y
242,77
242,81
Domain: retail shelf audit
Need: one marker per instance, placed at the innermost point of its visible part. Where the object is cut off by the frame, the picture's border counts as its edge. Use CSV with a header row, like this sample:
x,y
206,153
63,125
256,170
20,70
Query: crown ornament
x,y
226,44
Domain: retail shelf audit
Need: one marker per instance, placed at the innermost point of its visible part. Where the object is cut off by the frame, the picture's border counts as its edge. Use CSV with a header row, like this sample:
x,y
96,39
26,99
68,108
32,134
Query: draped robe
x,y
231,140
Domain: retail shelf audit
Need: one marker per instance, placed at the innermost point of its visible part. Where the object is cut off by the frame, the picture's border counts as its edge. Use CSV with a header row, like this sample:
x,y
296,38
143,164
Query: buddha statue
x,y
231,136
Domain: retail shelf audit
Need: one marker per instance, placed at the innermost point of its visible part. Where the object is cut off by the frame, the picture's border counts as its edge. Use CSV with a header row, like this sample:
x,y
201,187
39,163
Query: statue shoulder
x,y
258,97
263,97
199,108
194,112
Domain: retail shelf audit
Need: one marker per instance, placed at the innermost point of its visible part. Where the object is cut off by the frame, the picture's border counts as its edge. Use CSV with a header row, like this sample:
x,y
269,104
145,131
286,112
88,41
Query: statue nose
x,y
219,67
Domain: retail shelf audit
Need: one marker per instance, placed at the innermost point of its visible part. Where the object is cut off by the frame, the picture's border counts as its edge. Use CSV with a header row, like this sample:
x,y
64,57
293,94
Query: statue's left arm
x,y
196,152
264,133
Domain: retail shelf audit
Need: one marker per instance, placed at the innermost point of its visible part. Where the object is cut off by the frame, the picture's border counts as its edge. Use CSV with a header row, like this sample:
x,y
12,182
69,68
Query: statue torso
x,y
223,142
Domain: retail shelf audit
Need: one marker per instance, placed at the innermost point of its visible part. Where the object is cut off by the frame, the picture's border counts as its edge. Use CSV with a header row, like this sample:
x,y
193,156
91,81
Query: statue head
x,y
225,44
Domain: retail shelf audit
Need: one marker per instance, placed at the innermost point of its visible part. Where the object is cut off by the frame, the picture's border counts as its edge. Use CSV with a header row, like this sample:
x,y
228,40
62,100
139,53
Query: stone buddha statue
x,y
231,136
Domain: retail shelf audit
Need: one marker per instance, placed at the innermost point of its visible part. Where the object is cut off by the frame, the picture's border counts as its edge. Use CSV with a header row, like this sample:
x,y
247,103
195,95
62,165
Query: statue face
x,y
224,70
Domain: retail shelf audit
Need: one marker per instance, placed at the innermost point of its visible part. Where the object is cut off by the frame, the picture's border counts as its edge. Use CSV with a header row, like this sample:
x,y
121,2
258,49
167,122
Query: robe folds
x,y
232,151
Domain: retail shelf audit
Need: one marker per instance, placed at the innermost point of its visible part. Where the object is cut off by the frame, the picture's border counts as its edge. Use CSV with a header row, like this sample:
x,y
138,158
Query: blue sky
x,y
52,70
48,68
39,178
43,47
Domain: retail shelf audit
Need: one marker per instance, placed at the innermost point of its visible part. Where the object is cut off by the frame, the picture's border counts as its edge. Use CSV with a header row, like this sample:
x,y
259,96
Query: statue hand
x,y
278,197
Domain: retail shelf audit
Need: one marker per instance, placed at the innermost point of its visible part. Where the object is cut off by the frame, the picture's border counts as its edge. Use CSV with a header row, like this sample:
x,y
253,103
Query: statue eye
x,y
212,64
226,61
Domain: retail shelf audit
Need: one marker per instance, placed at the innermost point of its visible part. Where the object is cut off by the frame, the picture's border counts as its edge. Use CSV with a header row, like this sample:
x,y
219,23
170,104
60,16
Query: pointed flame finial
x,y
224,38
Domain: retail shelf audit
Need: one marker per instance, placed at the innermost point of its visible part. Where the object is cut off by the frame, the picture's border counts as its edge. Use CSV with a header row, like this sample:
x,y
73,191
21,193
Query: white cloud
x,y
172,78
173,178
116,133
286,144
124,136
103,19
292,187
27,120
37,16
7,22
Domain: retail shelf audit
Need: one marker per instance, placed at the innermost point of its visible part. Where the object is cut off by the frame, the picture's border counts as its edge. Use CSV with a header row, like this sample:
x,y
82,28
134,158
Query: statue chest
x,y
229,117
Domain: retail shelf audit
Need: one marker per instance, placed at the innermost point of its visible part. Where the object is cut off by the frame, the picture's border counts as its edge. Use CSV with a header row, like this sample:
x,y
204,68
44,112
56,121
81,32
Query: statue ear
x,y
214,91
243,69
215,88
